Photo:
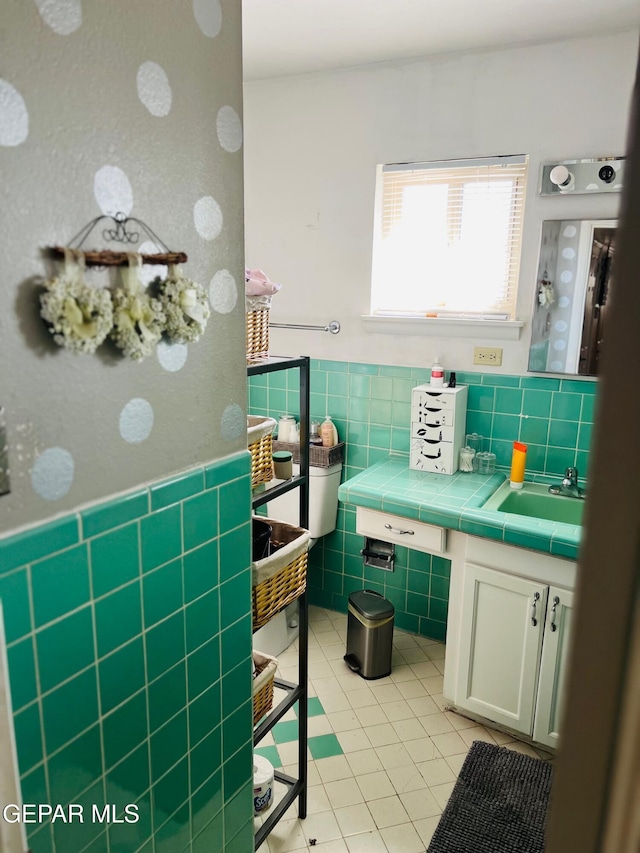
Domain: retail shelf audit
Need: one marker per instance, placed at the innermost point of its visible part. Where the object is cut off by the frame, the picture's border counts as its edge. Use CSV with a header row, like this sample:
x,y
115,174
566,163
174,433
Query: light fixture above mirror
x,y
574,177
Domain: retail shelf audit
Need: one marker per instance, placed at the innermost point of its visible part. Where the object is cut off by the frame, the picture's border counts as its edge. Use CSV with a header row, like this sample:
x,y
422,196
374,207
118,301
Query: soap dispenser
x,y
328,432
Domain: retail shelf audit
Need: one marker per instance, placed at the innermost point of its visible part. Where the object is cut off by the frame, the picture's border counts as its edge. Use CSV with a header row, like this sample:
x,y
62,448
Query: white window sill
x,y
454,327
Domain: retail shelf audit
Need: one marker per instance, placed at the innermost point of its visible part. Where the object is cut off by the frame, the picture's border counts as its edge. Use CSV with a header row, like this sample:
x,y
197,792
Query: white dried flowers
x,y
138,319
80,316
185,306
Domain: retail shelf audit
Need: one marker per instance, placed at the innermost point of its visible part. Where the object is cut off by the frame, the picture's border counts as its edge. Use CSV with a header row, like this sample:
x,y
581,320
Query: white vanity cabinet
x,y
500,646
507,640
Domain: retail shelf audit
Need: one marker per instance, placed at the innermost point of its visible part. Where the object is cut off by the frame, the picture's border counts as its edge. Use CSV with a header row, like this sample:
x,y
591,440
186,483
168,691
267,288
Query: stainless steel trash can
x,y
369,634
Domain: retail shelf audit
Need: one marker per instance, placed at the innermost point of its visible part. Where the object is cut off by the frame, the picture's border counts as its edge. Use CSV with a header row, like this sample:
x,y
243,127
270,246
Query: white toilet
x,y
274,637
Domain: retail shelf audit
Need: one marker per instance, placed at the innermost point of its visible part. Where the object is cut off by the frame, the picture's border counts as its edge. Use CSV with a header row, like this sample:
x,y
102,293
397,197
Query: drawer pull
x,y
399,530
552,624
536,598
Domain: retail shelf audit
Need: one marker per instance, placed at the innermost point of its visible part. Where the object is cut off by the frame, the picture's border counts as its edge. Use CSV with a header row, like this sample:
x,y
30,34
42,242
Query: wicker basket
x,y
263,684
319,457
259,432
279,579
257,335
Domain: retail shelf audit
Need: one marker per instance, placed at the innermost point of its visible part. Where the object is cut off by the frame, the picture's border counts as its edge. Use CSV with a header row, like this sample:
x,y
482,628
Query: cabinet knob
x,y
534,603
552,623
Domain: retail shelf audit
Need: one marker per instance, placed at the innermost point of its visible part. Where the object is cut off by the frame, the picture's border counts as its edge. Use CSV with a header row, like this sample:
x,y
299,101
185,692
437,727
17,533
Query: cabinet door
x,y
500,640
553,667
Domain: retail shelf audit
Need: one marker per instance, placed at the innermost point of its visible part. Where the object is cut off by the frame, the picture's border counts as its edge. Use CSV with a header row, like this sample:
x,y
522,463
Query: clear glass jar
x,y
467,455
314,433
486,462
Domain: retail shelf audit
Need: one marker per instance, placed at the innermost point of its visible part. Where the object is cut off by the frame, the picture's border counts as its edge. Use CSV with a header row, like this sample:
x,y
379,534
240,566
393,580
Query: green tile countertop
x,y
455,501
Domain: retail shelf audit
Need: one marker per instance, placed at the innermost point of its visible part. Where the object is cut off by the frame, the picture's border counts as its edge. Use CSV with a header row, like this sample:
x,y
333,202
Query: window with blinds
x,y
447,238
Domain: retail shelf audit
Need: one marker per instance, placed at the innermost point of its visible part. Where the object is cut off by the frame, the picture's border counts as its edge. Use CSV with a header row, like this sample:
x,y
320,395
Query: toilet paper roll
x,y
262,785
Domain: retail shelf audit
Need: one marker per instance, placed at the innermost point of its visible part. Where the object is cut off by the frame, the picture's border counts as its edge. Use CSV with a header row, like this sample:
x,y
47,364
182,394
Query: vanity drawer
x,y
432,401
401,531
432,433
428,417
437,458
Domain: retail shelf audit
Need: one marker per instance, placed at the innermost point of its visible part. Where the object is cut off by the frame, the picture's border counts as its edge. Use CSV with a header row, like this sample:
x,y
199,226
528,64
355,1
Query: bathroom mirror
x,y
572,293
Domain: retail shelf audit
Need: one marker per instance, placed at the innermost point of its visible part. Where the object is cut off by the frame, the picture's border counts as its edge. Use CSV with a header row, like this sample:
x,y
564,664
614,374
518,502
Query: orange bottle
x,y
518,462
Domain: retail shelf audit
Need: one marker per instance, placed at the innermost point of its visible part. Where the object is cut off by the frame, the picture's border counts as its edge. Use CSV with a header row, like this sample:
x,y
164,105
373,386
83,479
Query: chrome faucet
x,y
569,486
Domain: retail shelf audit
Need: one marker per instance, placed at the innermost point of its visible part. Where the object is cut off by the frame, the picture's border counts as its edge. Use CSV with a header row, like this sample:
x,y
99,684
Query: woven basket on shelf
x,y
280,578
319,457
259,432
257,335
263,684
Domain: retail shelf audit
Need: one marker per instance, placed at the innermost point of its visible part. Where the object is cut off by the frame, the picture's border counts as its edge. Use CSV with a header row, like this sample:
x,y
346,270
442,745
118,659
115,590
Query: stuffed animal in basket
x,y
258,283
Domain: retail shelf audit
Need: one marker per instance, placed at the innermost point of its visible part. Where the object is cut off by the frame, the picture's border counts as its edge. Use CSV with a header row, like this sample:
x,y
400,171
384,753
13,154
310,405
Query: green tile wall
x,y
370,405
123,623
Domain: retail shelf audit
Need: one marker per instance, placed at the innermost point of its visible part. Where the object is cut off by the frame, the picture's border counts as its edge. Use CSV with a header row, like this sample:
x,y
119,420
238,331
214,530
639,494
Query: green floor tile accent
x,y
324,746
314,707
285,732
140,574
270,753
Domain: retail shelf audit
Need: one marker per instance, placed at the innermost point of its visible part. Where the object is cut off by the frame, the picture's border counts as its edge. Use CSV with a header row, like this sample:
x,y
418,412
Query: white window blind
x,y
447,238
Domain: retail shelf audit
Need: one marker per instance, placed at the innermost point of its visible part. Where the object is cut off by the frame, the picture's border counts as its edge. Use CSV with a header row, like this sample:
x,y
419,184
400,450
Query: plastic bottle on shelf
x,y
328,432
437,373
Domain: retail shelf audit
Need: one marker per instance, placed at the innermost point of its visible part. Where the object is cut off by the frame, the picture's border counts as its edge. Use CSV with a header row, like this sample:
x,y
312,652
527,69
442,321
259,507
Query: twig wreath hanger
x,y
79,316
123,229
138,318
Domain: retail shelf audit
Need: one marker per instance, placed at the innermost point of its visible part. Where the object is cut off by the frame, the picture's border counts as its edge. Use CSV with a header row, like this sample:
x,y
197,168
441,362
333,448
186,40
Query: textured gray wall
x,y
75,97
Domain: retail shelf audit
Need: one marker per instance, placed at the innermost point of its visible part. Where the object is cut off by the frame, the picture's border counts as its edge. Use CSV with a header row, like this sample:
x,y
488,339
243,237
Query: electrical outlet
x,y
491,356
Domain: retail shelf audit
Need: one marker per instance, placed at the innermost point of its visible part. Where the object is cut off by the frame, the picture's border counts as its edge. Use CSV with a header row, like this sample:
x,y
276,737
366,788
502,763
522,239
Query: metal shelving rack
x,y
294,692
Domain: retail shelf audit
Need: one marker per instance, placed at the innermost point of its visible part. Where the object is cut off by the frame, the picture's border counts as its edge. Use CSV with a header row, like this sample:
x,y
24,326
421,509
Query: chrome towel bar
x,y
333,327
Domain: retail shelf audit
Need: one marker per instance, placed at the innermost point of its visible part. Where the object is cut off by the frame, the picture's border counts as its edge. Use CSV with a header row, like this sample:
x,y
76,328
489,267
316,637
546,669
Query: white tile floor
x,y
401,751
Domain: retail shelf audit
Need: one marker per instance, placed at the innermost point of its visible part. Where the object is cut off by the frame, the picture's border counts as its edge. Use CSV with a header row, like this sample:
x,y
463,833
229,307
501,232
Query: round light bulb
x,y
561,176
